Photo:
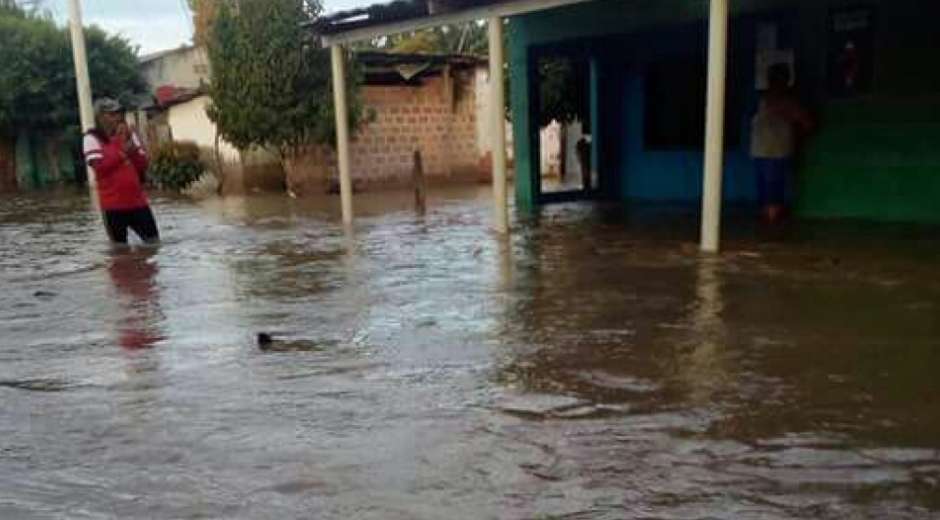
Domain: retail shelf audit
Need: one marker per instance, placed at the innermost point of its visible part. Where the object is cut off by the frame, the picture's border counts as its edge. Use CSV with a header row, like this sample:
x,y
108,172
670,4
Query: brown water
x,y
595,367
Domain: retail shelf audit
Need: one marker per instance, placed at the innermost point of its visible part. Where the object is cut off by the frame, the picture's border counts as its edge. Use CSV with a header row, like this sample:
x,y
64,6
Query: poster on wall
x,y
851,46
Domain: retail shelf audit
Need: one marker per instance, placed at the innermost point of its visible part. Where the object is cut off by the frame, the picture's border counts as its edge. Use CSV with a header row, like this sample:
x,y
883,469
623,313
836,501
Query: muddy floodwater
x,y
594,366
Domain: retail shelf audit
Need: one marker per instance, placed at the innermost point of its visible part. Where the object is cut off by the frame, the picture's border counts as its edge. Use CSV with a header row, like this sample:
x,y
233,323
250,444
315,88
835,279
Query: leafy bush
x,y
175,166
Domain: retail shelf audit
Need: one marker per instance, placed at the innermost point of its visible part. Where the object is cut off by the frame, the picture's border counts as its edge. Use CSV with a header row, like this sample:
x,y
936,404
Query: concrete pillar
x,y
342,132
715,126
498,130
82,80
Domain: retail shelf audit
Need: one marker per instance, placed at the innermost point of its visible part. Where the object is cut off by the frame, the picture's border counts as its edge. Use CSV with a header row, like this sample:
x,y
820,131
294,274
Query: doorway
x,y
567,168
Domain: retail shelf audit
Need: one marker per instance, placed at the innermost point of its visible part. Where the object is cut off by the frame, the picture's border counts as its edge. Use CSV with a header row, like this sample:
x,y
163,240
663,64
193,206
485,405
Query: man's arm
x,y
104,158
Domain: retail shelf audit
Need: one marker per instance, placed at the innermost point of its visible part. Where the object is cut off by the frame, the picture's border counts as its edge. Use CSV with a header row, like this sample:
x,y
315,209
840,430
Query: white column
x,y
342,132
83,83
498,129
715,126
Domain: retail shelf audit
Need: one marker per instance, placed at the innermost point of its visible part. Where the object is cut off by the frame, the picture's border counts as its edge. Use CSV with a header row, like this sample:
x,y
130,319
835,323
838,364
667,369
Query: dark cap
x,y
107,106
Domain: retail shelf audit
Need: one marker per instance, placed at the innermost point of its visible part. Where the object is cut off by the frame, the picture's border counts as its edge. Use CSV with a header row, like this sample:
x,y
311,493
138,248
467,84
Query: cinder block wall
x,y
435,118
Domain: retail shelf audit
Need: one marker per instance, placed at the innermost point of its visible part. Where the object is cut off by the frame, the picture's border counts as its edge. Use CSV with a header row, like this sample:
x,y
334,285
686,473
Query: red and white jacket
x,y
120,175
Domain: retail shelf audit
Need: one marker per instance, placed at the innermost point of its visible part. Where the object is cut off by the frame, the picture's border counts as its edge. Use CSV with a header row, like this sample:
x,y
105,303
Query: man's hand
x,y
126,134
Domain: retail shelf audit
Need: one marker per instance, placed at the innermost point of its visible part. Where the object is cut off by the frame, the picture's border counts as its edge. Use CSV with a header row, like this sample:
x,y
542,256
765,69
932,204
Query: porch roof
x,y
402,16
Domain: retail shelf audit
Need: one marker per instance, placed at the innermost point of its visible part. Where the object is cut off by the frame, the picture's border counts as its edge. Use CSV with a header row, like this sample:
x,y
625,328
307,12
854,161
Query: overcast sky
x,y
154,24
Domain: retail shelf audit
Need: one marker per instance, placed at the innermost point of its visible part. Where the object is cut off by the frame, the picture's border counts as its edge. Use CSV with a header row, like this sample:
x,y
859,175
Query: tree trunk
x,y
219,165
306,171
7,164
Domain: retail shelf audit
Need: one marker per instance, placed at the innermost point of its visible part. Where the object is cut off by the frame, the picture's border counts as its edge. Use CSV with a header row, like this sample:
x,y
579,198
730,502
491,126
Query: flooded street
x,y
594,367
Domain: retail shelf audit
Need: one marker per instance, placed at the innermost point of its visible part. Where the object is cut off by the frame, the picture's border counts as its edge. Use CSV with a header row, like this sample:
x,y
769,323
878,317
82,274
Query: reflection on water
x,y
592,366
701,364
133,273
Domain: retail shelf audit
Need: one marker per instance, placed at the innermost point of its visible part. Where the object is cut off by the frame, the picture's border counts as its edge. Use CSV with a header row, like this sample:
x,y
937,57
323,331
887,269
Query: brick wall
x,y
438,118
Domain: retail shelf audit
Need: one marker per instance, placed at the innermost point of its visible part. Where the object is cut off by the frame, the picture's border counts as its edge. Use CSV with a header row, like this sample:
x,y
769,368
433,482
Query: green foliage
x,y
468,38
11,8
564,90
113,66
37,76
175,166
272,86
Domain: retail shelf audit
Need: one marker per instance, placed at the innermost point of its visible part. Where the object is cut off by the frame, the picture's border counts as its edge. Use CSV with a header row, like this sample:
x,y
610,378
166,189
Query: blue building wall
x,y
872,156
628,169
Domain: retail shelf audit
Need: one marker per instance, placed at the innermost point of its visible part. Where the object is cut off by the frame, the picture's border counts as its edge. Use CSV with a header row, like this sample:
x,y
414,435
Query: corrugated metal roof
x,y
378,58
397,11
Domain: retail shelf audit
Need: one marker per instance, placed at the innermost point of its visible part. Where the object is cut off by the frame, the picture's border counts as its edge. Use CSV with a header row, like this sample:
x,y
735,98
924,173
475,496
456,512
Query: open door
x,y
567,170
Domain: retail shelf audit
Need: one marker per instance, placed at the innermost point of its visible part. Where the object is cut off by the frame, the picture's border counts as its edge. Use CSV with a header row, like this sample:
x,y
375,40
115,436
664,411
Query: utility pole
x,y
83,83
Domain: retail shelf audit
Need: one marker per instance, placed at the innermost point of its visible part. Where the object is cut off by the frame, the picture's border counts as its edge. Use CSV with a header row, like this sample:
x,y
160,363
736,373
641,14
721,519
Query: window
x,y
674,112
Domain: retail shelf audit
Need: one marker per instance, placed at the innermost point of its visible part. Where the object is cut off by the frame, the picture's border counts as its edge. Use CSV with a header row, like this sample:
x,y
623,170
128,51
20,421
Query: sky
x,y
154,25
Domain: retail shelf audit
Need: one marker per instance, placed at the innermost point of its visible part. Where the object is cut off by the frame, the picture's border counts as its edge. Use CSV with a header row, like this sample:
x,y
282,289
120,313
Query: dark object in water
x,y
268,342
37,385
265,340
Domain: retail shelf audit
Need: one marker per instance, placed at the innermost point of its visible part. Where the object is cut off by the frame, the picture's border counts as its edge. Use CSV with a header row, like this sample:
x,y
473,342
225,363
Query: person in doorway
x,y
778,127
114,151
584,160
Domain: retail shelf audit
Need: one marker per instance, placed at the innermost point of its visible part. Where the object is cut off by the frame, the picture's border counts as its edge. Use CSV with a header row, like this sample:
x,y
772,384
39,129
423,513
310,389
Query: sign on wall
x,y
851,46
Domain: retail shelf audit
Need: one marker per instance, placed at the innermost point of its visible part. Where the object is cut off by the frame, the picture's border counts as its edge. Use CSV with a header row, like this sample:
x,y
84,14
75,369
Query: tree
x,y
564,90
37,79
271,86
37,76
204,15
11,8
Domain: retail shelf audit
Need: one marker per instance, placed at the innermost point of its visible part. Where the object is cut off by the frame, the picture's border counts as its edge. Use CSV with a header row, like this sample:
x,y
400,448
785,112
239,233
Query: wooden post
x,y
420,184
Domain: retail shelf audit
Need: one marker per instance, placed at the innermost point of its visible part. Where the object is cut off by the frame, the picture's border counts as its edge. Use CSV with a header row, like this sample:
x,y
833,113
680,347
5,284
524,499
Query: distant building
x,y
413,102
182,69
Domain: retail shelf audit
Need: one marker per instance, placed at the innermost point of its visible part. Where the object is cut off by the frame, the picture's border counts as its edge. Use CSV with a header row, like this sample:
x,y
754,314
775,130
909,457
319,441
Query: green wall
x,y
871,158
878,162
33,168
877,158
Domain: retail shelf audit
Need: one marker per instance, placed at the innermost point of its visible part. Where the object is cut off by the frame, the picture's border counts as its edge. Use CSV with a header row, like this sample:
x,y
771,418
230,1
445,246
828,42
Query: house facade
x,y
673,86
413,103
182,69
863,68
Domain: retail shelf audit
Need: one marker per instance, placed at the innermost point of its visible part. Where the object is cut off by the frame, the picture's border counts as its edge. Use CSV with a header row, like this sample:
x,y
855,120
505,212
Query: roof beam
x,y
502,10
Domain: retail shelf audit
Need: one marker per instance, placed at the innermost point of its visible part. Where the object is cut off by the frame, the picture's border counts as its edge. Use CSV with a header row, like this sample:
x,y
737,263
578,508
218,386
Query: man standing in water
x,y
777,128
115,153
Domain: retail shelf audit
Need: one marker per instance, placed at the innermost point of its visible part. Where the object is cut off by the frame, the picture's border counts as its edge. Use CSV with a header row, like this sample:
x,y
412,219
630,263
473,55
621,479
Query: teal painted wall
x,y
522,117
676,175
33,167
872,158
